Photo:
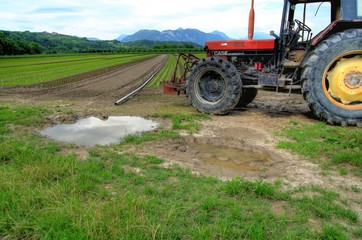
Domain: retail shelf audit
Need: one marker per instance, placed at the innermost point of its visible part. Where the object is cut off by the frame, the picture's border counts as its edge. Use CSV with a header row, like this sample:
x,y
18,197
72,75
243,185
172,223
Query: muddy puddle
x,y
228,162
94,131
227,158
224,162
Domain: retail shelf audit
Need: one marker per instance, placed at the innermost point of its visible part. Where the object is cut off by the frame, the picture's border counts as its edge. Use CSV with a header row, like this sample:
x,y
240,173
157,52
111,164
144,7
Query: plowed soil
x,y
98,89
251,128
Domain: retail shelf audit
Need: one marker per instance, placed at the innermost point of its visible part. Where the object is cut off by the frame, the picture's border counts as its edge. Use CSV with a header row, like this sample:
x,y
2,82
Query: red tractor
x,y
326,67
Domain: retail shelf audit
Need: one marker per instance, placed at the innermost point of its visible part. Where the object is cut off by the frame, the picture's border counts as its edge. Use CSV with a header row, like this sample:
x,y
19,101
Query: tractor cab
x,y
307,22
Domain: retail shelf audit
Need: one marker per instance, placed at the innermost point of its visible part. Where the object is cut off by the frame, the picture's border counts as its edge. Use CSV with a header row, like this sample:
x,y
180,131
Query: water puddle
x,y
230,159
92,131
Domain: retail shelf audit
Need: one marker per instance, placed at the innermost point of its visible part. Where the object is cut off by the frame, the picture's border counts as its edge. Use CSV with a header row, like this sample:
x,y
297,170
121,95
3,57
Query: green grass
x,y
24,116
28,70
184,121
46,192
200,55
339,145
150,136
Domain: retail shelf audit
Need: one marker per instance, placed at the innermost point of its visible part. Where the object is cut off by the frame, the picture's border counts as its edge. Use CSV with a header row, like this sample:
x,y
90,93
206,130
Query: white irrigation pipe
x,y
140,88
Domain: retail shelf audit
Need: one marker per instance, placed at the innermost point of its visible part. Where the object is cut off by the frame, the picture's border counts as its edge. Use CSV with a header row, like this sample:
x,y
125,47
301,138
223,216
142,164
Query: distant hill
x,y
18,43
225,37
179,35
159,44
121,37
93,39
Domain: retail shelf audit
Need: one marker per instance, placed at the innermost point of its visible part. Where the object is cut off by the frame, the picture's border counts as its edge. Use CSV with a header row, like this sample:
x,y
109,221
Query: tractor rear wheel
x,y
332,79
213,86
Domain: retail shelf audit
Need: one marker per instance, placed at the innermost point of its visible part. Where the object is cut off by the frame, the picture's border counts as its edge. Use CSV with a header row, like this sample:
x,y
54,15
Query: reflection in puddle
x,y
91,131
226,158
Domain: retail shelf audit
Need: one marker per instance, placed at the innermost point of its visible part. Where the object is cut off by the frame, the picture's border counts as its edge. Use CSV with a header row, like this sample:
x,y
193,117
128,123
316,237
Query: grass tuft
x,y
339,145
150,136
332,233
259,188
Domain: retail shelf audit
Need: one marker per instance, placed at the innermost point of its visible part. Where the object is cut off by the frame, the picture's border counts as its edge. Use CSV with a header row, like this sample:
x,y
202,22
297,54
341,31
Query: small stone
x,y
182,148
223,159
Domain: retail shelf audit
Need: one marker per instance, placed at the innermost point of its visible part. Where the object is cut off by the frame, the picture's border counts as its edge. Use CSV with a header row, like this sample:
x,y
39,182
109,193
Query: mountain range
x,y
178,35
182,35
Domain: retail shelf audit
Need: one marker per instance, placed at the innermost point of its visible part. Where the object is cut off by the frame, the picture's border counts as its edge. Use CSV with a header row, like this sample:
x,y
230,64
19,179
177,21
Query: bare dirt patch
x,y
250,128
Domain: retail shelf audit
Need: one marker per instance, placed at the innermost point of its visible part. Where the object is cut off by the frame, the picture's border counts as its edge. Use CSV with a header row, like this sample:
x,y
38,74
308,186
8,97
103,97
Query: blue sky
x,y
107,19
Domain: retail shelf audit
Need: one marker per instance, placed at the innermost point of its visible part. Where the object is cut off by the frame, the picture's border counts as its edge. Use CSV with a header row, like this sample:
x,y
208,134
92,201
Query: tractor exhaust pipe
x,y
251,21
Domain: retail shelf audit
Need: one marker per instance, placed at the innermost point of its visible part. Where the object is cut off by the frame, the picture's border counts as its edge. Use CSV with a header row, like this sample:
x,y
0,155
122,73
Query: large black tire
x,y
213,86
331,79
247,96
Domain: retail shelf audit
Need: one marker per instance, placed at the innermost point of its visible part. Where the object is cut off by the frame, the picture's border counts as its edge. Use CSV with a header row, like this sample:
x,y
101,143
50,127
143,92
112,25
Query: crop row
x,y
14,61
38,70
165,73
168,69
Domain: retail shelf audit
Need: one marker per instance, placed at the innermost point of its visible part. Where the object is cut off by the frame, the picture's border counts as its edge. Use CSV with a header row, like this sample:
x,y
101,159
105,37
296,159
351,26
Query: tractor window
x,y
317,16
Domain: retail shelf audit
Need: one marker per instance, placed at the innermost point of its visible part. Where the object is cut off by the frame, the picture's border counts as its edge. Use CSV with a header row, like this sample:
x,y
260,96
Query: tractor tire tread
x,y
336,42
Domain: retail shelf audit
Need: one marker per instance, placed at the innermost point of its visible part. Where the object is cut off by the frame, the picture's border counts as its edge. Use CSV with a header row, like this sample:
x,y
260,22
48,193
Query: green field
x,y
23,70
28,70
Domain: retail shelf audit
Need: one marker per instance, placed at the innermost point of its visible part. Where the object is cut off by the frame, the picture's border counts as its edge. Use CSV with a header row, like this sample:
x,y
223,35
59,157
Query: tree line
x,y
19,43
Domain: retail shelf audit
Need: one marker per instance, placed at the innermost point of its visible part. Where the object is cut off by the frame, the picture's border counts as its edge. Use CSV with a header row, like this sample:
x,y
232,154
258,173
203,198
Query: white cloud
x,y
107,19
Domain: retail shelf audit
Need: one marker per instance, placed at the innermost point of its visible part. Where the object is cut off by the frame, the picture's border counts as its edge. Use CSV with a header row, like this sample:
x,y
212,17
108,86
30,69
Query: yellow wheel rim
x,y
342,82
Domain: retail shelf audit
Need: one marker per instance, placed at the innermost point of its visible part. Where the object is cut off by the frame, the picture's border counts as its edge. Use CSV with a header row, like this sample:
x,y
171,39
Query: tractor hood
x,y
230,45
